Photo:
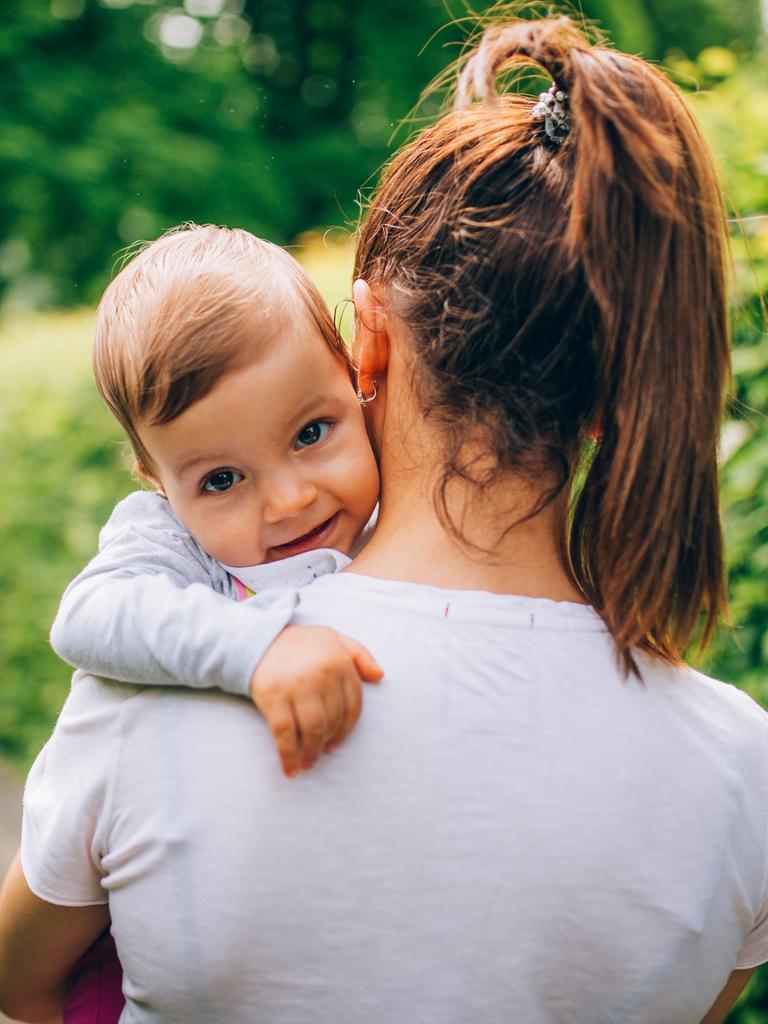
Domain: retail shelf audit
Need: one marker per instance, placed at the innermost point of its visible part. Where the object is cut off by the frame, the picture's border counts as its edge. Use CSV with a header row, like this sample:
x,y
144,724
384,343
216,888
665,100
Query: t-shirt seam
x,y
112,779
467,612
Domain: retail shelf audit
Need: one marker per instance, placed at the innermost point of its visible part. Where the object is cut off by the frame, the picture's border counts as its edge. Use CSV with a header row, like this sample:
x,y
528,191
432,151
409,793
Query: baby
x,y
217,355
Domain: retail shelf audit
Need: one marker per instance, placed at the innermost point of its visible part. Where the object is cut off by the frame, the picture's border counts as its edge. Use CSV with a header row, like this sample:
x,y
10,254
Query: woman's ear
x,y
370,348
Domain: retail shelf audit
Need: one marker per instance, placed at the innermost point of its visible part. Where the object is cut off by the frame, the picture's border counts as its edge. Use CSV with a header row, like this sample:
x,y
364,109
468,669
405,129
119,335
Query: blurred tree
x,y
103,140
696,24
120,118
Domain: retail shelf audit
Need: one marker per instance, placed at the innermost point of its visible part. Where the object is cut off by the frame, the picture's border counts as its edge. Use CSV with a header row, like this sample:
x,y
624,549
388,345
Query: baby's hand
x,y
307,687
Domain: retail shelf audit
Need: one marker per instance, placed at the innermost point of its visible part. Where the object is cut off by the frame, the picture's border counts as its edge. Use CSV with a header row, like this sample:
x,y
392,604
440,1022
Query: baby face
x,y
275,460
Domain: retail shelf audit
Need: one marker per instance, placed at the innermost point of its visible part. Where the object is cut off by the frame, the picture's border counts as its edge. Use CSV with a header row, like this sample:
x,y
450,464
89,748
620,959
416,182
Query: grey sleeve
x,y
152,607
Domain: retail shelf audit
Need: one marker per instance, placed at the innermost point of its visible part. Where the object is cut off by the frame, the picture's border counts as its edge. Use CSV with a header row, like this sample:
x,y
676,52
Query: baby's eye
x,y
312,433
221,480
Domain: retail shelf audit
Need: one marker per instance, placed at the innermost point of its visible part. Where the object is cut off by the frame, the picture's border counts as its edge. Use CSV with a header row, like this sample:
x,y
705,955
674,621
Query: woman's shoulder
x,y
93,710
744,707
720,710
724,694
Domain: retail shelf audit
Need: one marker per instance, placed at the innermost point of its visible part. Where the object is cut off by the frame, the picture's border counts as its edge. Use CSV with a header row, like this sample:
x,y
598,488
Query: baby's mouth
x,y
307,541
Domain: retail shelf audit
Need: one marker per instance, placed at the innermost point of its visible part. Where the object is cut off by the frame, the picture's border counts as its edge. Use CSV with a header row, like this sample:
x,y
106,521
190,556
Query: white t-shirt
x,y
513,832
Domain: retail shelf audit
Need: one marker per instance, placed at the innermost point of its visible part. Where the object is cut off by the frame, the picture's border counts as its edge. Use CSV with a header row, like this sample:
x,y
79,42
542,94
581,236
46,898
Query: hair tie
x,y
553,108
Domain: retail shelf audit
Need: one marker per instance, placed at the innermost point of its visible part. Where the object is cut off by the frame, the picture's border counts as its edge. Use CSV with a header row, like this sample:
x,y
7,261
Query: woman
x,y
543,815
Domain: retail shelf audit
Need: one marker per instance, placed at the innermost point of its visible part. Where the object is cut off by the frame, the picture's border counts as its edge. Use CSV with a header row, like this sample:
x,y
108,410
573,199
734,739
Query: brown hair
x,y
192,306
571,299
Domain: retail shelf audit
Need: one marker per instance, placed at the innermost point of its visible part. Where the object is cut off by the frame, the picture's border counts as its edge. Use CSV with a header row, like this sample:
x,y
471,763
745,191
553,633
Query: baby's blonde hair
x,y
197,303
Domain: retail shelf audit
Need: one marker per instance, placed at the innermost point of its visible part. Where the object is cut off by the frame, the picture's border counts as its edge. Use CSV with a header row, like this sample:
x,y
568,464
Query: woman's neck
x,y
413,544
497,545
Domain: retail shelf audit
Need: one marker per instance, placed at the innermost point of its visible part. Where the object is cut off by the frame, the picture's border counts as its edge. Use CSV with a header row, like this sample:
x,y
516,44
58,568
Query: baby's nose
x,y
287,496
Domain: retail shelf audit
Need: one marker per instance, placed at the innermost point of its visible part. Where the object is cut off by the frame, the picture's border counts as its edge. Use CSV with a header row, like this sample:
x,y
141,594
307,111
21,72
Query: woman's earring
x,y
366,399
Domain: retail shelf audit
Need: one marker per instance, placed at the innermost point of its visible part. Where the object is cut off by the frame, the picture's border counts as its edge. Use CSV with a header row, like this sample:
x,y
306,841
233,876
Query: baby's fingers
x,y
312,722
352,707
282,725
366,665
334,700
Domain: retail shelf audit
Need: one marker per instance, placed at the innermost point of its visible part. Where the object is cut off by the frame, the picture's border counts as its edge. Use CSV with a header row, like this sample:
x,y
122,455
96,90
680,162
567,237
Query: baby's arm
x,y
152,607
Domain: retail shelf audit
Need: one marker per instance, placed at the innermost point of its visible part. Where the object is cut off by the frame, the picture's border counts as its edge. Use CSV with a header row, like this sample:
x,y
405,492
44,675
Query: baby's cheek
x,y
216,536
367,482
240,543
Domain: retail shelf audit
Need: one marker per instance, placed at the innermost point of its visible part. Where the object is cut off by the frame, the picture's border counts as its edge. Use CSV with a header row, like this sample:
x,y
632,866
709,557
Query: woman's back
x,y
514,832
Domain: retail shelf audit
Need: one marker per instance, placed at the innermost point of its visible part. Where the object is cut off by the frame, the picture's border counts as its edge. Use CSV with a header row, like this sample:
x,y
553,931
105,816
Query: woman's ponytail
x,y
646,222
603,332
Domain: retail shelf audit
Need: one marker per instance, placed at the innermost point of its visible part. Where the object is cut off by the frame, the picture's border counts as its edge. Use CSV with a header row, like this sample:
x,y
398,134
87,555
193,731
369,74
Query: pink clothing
x,y
243,592
95,994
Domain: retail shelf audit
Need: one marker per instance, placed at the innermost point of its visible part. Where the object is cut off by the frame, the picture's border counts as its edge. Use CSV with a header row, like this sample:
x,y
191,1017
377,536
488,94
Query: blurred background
x,y
121,118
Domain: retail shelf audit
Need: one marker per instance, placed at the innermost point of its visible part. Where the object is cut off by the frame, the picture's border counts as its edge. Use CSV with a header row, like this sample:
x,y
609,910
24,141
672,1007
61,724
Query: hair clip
x,y
553,108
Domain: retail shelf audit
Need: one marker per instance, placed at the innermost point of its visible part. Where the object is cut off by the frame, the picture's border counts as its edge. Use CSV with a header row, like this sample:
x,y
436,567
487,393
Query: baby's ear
x,y
145,476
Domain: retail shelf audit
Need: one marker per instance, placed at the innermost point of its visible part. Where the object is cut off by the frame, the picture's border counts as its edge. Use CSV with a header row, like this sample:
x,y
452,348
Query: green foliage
x,y
696,24
119,119
729,114
62,470
108,133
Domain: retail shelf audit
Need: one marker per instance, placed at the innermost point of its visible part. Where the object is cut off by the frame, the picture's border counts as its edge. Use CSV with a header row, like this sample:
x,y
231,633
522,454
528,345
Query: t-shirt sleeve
x,y
754,823
67,796
151,608
754,952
